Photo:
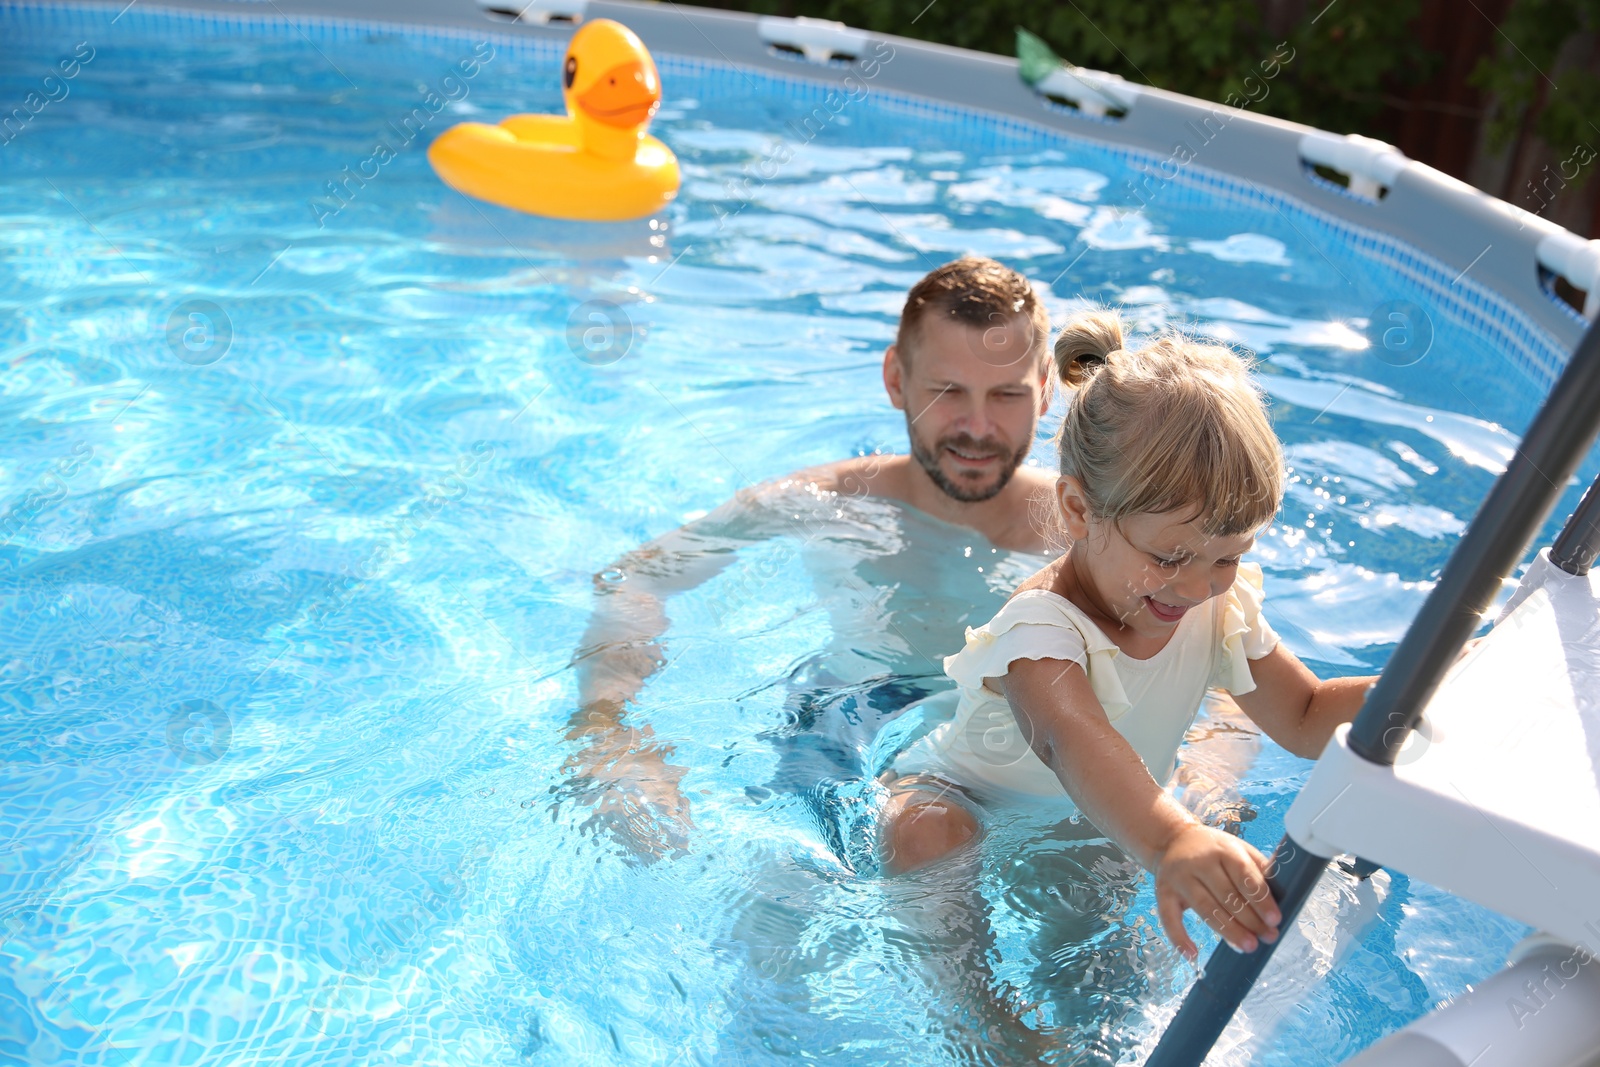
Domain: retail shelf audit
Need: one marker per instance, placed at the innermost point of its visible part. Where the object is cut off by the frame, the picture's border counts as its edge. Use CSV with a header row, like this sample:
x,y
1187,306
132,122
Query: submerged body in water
x,y
900,588
881,593
890,591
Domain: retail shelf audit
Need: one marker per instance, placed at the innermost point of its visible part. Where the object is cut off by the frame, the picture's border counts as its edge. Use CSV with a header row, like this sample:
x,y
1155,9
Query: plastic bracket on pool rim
x,y
819,40
540,12
1094,92
1370,164
1576,260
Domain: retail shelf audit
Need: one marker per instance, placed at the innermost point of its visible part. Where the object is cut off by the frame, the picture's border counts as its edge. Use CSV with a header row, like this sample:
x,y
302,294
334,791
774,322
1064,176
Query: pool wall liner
x,y
1478,255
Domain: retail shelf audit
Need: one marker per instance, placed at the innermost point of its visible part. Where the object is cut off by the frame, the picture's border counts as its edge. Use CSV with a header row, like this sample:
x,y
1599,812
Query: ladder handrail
x,y
1556,442
1575,550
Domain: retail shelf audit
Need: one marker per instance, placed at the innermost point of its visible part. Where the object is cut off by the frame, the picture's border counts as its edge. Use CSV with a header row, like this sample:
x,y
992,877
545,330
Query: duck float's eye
x,y
570,75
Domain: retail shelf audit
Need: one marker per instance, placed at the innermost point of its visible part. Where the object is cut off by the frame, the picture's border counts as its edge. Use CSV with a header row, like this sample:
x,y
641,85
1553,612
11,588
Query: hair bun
x,y
1084,345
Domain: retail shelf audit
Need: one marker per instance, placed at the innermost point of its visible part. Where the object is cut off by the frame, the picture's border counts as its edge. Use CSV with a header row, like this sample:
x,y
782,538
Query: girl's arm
x,y
1195,866
1294,708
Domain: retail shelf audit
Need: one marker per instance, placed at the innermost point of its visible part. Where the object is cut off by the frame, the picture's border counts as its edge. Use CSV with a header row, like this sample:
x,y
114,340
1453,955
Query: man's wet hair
x,y
976,291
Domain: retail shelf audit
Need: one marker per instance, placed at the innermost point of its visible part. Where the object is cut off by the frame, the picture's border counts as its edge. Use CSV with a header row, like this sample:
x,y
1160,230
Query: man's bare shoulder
x,y
874,475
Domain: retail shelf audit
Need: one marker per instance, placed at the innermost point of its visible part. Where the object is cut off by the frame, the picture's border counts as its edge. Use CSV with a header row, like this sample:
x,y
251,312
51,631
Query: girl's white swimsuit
x,y
1150,702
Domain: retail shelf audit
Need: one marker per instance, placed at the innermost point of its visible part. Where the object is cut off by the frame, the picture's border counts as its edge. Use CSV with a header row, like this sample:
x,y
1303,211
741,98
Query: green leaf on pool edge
x,y
1035,61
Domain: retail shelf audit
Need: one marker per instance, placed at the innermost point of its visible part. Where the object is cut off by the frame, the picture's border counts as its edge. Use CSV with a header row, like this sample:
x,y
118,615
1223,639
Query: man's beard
x,y
929,461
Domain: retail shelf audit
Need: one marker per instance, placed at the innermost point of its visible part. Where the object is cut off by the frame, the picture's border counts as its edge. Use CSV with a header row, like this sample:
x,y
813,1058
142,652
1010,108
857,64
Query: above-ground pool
x,y
308,476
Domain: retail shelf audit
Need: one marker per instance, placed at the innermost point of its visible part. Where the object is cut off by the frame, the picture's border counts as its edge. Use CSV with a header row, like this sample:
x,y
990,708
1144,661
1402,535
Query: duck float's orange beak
x,y
627,95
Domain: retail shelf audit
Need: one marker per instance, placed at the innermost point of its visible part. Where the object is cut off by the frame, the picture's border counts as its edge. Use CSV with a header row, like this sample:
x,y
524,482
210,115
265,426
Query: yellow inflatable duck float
x,y
596,163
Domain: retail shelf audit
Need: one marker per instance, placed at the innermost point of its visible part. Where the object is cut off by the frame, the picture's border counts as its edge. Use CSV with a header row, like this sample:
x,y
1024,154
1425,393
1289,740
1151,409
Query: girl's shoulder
x,y
1036,623
1239,611
1044,578
1243,633
1033,606
1248,590
1042,599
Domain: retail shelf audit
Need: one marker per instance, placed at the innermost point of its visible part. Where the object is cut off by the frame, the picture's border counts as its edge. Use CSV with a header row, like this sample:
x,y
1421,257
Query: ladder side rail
x,y
1575,550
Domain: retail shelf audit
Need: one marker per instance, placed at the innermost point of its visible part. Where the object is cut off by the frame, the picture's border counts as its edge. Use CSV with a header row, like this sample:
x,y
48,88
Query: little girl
x,y
1080,689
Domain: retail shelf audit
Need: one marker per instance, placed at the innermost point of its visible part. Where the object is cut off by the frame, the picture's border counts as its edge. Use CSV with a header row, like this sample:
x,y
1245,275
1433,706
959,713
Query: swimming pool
x,y
305,489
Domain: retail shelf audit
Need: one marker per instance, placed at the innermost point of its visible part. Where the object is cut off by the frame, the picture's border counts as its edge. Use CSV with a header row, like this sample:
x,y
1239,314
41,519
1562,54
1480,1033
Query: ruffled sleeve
x,y
1037,624
1245,633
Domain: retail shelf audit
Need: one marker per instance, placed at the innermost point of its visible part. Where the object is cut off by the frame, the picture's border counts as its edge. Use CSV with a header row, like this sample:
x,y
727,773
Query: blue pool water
x,y
304,495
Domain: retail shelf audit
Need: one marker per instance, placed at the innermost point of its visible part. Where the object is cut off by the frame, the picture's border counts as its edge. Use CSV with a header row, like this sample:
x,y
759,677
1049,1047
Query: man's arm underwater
x,y
619,769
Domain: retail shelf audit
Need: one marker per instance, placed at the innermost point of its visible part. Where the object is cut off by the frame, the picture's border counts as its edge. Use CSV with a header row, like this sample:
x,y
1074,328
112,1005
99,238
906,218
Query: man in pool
x,y
970,367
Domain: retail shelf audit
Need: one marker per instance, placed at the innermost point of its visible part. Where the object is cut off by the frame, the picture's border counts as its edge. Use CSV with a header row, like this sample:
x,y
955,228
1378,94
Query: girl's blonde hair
x,y
1173,426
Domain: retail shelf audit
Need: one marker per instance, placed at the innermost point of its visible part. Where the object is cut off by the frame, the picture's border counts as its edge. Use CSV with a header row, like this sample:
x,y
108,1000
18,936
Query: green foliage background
x,y
1345,62
1523,79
